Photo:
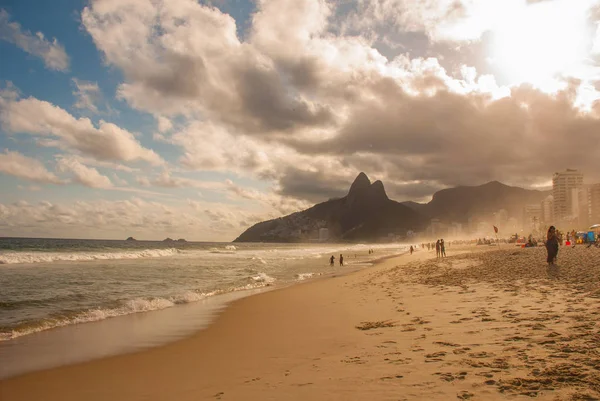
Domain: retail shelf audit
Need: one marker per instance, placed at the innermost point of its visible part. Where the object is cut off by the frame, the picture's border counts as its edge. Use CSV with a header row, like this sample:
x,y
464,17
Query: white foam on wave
x,y
128,307
263,278
304,276
229,249
41,257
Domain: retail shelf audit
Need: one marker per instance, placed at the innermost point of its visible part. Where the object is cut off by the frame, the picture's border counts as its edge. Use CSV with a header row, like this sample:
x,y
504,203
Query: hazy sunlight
x,y
537,42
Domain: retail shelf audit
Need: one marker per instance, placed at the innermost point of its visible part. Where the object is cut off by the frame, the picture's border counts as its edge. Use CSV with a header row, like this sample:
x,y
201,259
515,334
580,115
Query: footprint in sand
x,y
435,357
391,377
449,377
462,350
355,359
375,325
481,354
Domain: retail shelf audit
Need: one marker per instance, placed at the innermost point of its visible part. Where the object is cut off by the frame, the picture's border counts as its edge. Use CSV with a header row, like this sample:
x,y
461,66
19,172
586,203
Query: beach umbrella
x,y
594,226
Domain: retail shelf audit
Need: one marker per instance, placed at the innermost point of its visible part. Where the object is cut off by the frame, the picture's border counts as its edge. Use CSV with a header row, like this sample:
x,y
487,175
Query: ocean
x,y
48,284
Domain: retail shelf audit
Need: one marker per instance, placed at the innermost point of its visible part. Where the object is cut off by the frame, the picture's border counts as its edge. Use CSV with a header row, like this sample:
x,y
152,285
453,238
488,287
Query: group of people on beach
x,y
554,240
440,248
332,260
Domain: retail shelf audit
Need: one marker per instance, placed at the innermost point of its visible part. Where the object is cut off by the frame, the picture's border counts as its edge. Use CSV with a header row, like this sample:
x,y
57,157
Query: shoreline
x,y
132,333
227,306
487,324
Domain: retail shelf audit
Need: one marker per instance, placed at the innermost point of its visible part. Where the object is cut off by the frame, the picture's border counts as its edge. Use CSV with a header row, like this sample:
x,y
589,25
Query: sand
x,y
477,325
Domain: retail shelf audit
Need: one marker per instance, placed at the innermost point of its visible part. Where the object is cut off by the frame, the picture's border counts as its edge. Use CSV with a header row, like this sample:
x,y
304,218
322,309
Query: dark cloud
x,y
267,105
450,139
308,106
315,186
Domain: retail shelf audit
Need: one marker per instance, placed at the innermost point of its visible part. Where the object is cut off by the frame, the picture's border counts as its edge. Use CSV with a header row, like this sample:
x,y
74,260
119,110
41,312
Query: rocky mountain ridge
x,y
366,213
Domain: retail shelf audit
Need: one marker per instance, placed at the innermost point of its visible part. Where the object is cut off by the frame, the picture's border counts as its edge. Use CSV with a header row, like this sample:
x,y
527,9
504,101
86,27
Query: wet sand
x,y
477,325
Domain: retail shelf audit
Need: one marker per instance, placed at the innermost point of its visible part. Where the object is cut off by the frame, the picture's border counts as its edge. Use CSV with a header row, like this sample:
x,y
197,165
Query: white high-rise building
x,y
548,210
565,187
594,192
584,207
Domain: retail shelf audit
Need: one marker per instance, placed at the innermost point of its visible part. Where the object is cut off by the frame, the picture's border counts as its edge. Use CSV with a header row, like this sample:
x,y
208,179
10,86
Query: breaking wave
x,y
128,307
41,257
304,276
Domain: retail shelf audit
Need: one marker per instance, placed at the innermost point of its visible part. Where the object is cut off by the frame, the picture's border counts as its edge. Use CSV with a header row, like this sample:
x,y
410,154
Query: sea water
x,y
50,287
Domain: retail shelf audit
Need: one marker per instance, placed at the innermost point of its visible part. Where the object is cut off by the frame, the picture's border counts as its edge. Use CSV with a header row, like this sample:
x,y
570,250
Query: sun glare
x,y
539,41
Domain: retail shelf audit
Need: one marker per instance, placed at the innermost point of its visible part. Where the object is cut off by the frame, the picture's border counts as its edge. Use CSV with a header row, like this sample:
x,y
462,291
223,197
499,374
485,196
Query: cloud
x,y
87,94
123,218
58,128
282,204
194,64
90,177
167,180
226,219
51,52
307,103
164,124
18,165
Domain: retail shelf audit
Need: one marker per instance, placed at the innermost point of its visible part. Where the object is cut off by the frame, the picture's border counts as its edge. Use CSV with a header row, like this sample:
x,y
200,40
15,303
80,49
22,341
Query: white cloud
x,y
58,128
123,218
167,180
18,165
164,124
282,204
90,177
302,106
51,52
194,65
87,94
120,181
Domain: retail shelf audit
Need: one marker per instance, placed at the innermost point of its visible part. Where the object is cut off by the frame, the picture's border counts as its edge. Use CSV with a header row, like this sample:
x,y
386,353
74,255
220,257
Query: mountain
x,y
366,213
460,203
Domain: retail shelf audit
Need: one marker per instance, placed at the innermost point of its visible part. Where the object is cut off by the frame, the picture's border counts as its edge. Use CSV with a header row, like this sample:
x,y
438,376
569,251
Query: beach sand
x,y
477,325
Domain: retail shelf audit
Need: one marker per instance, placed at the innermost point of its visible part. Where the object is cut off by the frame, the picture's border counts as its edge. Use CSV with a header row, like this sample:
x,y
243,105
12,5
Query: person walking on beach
x,y
552,245
429,246
331,260
442,248
437,249
341,260
411,249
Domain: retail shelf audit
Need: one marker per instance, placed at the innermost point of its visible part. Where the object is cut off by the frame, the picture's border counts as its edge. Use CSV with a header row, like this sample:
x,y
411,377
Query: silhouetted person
x,y
428,246
437,249
341,260
442,248
552,245
411,249
331,260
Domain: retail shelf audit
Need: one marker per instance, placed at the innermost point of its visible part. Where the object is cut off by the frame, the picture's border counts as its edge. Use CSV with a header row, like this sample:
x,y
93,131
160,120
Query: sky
x,y
196,119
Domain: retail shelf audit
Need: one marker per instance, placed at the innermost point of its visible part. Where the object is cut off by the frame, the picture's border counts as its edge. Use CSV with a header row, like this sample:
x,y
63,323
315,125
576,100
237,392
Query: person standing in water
x,y
411,249
341,260
552,245
331,260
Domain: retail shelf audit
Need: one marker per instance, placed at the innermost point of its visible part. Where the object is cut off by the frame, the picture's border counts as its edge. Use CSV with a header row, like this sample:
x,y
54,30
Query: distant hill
x,y
460,203
366,213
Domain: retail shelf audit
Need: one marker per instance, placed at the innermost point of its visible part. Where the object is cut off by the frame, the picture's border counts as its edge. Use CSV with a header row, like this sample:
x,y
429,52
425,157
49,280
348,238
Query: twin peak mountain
x,y
366,212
